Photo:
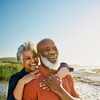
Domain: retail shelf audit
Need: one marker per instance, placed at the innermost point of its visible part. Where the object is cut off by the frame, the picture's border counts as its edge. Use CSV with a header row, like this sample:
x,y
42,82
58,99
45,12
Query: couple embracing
x,y
41,78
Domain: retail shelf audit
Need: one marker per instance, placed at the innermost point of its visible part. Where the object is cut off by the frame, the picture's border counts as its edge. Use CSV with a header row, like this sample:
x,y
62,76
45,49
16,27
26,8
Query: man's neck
x,y
45,71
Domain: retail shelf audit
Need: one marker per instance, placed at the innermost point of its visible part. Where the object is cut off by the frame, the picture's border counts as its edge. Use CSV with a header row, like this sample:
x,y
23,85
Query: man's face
x,y
29,60
49,51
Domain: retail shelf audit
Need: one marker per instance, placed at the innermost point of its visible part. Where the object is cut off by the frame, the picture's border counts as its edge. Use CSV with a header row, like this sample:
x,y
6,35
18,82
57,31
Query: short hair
x,y
63,64
42,42
24,47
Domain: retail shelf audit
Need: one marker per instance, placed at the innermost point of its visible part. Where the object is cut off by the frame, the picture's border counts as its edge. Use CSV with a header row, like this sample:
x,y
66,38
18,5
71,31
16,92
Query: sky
x,y
74,25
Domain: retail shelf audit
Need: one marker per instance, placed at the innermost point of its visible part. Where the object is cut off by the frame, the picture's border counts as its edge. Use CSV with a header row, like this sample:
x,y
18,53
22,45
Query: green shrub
x,y
3,97
8,69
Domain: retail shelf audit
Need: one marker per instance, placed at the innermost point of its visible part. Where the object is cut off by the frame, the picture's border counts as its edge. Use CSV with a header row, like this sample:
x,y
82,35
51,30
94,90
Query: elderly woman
x,y
29,61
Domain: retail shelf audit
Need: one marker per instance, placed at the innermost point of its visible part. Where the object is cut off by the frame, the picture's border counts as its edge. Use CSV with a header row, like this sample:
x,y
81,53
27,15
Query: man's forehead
x,y
47,44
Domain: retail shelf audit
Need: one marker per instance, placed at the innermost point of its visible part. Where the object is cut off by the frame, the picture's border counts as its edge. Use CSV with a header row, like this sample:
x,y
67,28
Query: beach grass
x,y
8,69
3,97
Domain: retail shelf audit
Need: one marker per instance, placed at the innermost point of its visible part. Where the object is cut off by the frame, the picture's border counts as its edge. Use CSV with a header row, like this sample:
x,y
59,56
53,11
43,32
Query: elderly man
x,y
29,60
34,90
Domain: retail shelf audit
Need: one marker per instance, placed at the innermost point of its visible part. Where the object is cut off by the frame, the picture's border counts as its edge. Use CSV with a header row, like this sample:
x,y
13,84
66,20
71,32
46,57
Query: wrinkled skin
x,y
29,61
49,50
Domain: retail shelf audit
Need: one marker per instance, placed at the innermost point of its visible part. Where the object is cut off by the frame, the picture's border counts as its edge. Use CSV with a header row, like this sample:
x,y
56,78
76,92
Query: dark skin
x,y
49,50
52,83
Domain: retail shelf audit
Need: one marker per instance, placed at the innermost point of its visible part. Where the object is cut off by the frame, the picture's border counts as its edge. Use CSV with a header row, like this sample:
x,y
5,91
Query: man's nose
x,y
52,52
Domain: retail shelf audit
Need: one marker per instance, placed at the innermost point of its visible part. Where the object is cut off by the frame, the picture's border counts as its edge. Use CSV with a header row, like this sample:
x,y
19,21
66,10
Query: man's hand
x,y
51,83
54,84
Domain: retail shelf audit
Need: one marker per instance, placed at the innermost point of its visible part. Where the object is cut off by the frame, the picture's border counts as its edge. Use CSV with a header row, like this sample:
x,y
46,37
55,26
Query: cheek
x,y
27,63
45,54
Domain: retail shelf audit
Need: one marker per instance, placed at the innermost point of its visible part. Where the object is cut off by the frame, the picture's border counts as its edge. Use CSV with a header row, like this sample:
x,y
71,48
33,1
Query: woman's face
x,y
29,60
63,72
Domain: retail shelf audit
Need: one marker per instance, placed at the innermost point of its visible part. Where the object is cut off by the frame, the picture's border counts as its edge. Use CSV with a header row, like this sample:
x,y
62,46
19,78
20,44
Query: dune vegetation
x,y
8,67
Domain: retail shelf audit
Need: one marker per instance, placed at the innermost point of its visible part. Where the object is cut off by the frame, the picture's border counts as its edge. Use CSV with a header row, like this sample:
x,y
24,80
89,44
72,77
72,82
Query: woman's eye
x,y
27,58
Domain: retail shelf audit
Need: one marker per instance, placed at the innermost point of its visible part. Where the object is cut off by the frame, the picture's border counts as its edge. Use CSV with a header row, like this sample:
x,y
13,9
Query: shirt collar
x,y
44,71
24,71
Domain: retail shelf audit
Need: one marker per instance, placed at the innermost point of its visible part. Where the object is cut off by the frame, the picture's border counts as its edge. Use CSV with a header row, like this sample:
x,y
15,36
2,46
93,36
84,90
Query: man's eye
x,y
47,49
54,48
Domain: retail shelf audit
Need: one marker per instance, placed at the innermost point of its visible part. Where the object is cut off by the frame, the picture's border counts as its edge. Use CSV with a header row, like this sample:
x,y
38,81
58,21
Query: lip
x,y
52,57
33,65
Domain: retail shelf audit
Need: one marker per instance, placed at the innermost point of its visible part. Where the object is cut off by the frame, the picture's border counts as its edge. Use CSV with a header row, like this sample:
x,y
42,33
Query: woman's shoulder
x,y
16,76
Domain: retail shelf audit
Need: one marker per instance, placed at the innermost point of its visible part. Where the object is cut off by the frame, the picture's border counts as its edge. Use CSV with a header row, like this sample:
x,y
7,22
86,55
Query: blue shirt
x,y
13,82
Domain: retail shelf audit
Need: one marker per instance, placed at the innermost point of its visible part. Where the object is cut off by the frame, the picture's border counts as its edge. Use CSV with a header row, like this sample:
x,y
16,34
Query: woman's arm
x,y
18,91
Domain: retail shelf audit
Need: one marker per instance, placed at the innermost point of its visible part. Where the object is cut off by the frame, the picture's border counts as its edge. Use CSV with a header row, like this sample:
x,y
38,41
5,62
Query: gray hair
x,y
23,47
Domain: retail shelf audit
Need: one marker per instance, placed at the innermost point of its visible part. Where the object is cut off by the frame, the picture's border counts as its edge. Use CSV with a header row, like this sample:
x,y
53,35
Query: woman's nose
x,y
32,60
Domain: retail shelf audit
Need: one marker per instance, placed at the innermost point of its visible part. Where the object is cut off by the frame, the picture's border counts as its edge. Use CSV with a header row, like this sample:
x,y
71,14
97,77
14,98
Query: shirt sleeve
x,y
70,86
29,92
74,92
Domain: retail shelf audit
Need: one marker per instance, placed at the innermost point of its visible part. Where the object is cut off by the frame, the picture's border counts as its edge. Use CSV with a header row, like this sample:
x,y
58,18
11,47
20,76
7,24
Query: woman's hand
x,y
27,78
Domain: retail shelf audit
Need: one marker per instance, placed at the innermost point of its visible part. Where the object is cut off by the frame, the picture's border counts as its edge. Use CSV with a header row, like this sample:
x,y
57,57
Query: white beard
x,y
53,66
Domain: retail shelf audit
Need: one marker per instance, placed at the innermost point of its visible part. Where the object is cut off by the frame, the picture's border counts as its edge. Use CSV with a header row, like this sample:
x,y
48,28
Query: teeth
x,y
33,67
51,58
33,64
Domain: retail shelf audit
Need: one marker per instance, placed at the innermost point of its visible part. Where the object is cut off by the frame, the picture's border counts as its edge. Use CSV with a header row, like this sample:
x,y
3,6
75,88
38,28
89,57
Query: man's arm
x,y
74,91
54,85
65,95
68,82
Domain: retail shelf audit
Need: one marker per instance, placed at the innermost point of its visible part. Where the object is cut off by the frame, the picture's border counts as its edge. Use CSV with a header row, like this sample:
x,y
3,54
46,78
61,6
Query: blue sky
x,y
73,24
